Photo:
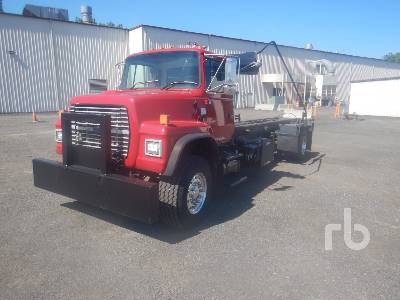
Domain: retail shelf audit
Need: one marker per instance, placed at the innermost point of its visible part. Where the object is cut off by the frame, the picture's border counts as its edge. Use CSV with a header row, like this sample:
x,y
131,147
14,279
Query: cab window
x,y
210,68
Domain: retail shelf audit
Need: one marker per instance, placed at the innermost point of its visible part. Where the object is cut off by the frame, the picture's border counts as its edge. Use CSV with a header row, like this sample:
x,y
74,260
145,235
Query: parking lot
x,y
263,239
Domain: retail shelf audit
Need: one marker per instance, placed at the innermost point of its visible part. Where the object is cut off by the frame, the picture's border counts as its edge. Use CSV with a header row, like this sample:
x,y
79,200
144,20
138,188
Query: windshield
x,y
174,69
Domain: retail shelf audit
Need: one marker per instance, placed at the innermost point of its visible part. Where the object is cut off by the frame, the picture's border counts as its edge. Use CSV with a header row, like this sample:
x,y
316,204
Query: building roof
x,y
263,43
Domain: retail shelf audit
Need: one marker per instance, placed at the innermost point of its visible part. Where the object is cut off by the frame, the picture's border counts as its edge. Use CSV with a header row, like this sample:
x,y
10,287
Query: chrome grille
x,y
88,134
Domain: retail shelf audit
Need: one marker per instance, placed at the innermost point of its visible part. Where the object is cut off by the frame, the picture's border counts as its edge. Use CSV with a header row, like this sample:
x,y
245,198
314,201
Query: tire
x,y
176,206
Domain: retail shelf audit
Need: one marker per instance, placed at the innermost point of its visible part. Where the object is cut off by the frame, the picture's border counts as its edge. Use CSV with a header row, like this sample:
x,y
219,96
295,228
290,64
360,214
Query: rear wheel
x,y
184,198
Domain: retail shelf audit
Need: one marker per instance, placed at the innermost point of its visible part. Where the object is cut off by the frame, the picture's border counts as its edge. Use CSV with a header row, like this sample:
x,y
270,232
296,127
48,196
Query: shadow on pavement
x,y
228,204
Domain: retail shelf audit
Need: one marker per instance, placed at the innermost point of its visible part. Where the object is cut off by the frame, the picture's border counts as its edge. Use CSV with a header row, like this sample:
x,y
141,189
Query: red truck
x,y
158,146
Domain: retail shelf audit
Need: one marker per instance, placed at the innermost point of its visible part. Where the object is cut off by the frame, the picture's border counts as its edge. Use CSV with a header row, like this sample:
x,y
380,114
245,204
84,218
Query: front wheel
x,y
184,199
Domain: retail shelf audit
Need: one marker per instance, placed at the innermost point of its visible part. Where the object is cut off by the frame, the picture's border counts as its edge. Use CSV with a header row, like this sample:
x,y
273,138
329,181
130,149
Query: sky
x,y
368,28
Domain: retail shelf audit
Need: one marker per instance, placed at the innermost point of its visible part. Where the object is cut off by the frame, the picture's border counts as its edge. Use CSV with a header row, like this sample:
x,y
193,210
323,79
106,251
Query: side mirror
x,y
231,70
120,65
249,64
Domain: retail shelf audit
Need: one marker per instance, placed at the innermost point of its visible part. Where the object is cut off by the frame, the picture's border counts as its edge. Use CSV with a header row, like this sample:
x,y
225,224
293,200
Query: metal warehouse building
x,y
46,62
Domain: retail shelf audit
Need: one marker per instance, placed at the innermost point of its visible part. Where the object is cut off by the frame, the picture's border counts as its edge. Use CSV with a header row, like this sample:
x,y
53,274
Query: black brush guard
x,y
85,175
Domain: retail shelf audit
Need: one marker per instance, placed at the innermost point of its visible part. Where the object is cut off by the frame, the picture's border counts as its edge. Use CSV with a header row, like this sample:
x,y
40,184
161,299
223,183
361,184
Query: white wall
x,y
136,40
53,61
375,98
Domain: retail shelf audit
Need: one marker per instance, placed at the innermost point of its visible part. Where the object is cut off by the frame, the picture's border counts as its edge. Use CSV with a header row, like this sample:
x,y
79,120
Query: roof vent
x,y
86,14
309,46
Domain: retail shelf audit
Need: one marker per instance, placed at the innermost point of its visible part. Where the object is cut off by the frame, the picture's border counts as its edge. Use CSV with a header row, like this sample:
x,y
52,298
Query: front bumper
x,y
131,197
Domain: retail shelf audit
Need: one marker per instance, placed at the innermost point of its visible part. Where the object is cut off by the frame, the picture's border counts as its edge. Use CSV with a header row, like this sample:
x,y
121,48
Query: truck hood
x,y
147,104
144,110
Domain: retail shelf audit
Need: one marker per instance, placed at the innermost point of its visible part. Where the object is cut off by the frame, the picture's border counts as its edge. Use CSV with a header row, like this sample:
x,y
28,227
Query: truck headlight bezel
x,y
153,147
58,135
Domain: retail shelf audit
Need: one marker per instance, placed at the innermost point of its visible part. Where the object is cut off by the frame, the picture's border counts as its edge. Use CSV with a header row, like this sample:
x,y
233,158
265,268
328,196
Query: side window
x,y
210,67
207,72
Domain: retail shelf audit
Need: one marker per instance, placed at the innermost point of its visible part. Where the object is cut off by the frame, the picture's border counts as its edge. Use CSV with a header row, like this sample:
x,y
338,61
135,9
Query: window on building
x,y
328,91
321,69
278,92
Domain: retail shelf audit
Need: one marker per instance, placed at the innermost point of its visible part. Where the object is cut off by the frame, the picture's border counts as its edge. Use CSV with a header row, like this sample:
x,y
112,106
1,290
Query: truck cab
x,y
180,85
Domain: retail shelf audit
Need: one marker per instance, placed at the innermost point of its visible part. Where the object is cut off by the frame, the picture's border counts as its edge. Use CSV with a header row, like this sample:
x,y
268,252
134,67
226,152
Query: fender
x,y
179,146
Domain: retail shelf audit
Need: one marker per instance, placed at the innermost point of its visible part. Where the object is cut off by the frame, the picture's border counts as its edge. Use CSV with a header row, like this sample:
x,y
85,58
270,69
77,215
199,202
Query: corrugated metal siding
x,y
84,52
54,61
26,76
251,89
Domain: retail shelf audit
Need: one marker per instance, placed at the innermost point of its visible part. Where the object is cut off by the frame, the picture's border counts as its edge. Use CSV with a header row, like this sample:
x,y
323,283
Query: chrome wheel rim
x,y
197,193
303,145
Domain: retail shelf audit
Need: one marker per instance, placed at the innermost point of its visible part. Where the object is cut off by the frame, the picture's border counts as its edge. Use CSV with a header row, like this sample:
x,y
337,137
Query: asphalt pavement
x,y
264,239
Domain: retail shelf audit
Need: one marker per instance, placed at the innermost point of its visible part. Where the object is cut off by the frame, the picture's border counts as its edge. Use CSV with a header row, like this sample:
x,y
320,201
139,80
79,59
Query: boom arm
x,y
285,65
250,66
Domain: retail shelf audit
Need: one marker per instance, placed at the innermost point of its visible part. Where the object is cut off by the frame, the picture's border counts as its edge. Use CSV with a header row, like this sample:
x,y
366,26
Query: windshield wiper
x,y
144,82
171,84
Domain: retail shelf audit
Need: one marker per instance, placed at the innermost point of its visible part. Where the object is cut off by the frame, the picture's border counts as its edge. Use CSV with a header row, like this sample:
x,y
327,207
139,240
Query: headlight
x,y
153,147
58,135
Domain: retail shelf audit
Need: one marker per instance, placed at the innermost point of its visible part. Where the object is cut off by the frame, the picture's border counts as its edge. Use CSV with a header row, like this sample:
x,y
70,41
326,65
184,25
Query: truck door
x,y
220,114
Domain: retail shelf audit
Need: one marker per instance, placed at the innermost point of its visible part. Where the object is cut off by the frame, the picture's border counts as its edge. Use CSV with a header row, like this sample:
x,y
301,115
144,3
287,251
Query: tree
x,y
392,57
